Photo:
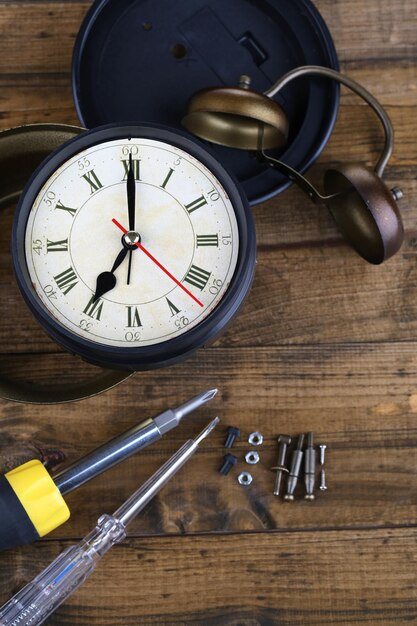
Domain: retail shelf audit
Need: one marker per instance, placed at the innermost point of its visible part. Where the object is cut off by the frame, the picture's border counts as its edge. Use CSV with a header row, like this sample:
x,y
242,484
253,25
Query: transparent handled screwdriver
x,y
39,598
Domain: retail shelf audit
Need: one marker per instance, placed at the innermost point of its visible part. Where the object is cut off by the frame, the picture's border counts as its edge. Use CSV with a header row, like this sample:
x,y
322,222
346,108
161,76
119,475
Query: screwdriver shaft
x,y
128,511
126,444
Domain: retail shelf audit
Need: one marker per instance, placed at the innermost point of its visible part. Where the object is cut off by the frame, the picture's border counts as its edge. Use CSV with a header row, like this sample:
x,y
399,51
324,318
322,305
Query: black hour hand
x,y
106,281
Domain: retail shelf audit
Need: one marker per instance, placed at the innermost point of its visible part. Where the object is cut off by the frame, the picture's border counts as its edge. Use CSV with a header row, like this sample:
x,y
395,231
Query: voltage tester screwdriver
x,y
31,501
39,598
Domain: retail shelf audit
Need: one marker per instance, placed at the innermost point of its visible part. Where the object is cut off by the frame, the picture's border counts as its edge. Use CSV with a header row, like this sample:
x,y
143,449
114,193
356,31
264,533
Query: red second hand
x,y
148,254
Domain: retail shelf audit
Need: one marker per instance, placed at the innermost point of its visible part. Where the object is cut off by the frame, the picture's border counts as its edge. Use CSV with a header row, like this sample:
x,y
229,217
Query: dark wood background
x,y
325,343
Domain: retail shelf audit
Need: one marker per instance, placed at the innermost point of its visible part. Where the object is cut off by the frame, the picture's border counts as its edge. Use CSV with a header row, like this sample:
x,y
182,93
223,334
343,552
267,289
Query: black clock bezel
x,y
173,350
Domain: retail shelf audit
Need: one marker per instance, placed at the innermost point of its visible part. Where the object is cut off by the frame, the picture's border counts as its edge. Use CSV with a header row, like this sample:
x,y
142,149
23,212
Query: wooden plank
x,y
35,100
361,400
324,343
39,36
285,579
372,32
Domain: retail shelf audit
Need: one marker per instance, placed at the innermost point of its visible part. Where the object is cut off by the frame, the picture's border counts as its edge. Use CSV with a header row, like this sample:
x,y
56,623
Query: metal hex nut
x,y
256,439
252,457
245,478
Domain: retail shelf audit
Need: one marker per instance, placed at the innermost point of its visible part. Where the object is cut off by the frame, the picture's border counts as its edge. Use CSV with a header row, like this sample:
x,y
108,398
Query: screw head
x,y
397,193
245,81
322,447
232,434
229,461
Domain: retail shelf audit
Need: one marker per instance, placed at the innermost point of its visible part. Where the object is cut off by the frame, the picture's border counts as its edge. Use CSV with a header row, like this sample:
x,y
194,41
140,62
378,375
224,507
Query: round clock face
x,y
153,284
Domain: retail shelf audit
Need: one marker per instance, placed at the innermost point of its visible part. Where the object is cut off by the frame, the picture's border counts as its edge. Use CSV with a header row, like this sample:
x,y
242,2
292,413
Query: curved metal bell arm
x,y
296,177
356,88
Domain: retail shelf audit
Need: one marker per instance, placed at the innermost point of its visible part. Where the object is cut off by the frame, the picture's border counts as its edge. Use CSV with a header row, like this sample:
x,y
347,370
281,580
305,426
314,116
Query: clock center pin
x,y
130,239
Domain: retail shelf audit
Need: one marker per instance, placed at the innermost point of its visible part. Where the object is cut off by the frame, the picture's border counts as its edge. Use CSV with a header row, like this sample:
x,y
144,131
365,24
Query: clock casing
x,y
164,352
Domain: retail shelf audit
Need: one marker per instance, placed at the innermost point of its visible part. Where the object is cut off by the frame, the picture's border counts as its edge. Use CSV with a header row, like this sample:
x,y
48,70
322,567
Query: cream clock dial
x,y
184,220
133,247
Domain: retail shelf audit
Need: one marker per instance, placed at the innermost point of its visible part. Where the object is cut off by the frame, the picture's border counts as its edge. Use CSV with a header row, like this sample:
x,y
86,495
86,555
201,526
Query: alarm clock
x,y
133,247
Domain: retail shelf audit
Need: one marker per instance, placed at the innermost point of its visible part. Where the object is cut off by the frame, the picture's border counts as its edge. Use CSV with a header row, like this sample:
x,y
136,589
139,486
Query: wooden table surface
x,y
325,343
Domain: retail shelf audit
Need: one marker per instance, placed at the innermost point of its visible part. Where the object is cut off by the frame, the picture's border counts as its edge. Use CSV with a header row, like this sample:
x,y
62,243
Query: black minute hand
x,y
106,281
131,206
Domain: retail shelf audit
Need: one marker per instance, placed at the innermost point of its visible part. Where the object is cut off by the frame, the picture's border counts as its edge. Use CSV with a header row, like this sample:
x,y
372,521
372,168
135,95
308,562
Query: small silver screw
x,y
244,81
322,447
323,486
397,193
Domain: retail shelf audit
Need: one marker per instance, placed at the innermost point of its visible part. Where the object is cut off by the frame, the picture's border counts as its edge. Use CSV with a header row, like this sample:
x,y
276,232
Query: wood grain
x,y
370,430
283,579
325,342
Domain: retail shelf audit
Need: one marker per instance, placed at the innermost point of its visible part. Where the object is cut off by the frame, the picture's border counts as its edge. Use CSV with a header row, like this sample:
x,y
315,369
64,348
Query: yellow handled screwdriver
x,y
33,604
31,500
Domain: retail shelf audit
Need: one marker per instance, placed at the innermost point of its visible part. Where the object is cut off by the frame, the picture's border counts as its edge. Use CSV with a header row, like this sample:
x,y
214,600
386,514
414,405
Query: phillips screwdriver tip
x,y
170,419
194,403
210,394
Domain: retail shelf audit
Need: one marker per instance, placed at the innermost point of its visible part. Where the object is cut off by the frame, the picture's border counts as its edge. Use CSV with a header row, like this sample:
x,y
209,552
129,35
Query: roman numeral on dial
x,y
196,204
207,240
133,319
136,168
93,180
94,308
168,176
197,277
66,280
57,246
172,307
68,209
